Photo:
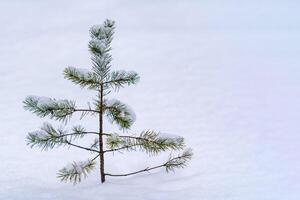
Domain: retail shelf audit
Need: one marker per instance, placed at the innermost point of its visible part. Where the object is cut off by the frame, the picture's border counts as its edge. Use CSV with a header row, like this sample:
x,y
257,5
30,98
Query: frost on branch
x,y
114,141
179,161
76,171
46,138
119,113
99,46
117,79
103,33
82,77
150,142
56,109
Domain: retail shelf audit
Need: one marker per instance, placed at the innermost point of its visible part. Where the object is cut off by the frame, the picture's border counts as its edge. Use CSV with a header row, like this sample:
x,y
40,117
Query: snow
x,y
127,112
100,41
222,74
111,102
101,32
41,100
96,27
40,134
114,136
45,131
81,71
170,137
46,101
99,44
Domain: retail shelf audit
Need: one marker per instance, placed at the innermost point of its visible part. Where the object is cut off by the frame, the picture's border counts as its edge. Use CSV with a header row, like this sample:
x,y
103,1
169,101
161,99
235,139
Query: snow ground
x,y
223,74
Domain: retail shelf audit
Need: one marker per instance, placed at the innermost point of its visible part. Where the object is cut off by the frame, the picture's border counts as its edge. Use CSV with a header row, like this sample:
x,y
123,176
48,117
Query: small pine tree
x,y
102,80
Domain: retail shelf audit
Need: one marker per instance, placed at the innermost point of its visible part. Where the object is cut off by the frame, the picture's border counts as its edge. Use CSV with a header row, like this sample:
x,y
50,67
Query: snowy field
x,y
223,74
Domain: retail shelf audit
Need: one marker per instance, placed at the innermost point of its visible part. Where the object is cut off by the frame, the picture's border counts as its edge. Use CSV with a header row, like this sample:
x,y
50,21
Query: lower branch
x,y
80,147
140,171
86,110
95,157
121,148
176,162
72,134
128,136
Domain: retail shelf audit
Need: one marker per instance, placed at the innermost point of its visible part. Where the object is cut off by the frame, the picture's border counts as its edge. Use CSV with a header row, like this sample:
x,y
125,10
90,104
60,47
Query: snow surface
x,y
223,74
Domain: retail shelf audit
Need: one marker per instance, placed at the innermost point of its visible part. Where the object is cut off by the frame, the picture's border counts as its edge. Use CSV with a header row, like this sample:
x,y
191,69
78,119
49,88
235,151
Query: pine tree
x,y
102,80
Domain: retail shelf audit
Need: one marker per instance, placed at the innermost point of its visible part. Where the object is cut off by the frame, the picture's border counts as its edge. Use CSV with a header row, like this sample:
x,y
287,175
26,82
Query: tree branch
x,y
125,147
80,147
128,136
95,157
86,110
140,171
70,134
148,168
128,146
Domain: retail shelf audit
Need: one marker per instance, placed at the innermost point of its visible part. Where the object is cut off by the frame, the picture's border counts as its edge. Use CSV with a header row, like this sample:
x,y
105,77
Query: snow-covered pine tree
x,y
102,80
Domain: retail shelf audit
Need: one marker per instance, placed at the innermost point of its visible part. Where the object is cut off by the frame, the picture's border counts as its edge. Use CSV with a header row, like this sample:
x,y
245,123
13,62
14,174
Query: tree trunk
x,y
101,154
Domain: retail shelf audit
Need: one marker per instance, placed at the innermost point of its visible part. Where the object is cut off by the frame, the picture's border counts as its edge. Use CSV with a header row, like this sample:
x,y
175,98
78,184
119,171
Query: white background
x,y
223,74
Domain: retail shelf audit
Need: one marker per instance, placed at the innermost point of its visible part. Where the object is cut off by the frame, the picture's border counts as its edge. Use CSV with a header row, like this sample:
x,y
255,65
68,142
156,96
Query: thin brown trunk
x,y
101,154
